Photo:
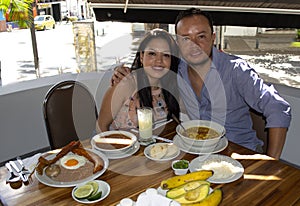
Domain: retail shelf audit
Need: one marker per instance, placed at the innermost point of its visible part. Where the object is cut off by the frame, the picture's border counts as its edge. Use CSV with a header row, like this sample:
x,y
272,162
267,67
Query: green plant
x,y
19,11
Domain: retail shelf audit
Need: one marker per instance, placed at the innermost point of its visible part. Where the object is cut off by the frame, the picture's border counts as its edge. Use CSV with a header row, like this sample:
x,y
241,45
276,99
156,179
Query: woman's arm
x,y
112,102
105,116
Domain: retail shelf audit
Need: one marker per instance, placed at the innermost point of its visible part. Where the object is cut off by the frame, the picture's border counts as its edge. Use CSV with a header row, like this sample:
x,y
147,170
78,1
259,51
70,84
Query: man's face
x,y
195,39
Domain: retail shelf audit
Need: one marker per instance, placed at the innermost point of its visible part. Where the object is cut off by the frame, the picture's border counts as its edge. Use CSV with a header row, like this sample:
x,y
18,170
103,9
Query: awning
x,y
261,13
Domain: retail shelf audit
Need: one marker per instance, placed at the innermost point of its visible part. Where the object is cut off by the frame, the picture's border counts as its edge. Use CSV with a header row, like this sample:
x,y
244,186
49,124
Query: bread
x,y
158,151
172,150
161,150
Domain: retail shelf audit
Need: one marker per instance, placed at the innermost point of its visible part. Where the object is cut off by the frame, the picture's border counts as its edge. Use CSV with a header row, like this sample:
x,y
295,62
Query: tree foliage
x,y
19,11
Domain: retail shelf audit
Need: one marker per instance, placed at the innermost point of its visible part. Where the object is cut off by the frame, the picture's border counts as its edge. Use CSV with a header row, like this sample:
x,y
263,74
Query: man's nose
x,y
194,41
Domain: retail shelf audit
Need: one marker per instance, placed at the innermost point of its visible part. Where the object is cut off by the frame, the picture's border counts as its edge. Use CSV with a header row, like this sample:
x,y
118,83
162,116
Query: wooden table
x,y
265,181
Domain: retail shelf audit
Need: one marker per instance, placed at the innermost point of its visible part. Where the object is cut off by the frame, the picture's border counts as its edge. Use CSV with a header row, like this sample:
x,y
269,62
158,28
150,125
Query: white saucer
x,y
103,186
123,154
167,157
222,144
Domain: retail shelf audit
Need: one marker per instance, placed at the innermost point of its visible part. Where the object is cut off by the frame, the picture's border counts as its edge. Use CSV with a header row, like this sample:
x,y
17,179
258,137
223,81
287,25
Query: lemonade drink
x,y
145,124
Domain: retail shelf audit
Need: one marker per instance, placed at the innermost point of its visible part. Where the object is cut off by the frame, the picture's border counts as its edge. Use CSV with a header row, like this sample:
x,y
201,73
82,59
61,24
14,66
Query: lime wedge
x,y
83,191
95,197
95,187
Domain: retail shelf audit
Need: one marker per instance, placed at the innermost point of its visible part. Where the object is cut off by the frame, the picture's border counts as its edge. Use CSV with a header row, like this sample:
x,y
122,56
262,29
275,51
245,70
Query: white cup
x,y
145,124
126,202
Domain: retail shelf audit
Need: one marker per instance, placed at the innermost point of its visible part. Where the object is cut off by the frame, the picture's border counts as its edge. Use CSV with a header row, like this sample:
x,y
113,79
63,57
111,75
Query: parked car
x,y
43,22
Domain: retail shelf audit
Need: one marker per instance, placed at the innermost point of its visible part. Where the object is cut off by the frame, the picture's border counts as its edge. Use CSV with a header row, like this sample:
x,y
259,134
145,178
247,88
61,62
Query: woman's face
x,y
156,58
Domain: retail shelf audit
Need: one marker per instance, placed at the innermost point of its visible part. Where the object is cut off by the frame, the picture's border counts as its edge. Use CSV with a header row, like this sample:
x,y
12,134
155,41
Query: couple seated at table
x,y
212,85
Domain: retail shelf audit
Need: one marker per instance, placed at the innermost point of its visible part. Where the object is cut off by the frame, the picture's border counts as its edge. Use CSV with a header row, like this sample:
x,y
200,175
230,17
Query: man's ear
x,y
213,37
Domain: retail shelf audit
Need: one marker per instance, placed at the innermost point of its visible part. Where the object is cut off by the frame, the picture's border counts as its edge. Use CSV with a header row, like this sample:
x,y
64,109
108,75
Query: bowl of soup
x,y
200,133
113,142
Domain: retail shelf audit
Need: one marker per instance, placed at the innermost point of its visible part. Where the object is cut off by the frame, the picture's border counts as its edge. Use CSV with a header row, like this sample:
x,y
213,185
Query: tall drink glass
x,y
145,125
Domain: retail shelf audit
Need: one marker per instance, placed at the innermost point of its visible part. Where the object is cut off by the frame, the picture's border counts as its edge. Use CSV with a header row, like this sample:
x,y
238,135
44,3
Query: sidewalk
x,y
262,43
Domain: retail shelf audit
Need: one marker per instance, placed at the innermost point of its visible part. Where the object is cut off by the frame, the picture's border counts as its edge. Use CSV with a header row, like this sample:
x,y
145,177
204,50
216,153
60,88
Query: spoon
x,y
178,122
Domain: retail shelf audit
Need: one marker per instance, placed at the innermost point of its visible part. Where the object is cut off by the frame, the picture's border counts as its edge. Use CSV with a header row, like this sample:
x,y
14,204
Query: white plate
x,y
103,186
166,157
222,144
123,154
50,182
218,163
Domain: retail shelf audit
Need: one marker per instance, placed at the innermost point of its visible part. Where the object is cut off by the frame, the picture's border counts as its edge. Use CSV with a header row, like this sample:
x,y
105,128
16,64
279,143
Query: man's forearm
x,y
276,141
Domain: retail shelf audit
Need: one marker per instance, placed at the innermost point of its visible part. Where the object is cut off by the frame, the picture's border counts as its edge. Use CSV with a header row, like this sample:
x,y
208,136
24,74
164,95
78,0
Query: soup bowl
x,y
113,142
206,138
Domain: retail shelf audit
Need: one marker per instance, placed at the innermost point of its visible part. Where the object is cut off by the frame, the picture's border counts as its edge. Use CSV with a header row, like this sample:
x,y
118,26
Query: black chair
x,y
70,113
259,125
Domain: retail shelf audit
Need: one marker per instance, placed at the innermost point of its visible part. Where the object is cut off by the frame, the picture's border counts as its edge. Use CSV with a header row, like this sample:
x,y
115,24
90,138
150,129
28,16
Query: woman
x,y
153,84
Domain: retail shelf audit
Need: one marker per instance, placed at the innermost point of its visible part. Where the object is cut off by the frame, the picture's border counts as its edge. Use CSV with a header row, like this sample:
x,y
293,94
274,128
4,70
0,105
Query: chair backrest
x,y
70,113
259,125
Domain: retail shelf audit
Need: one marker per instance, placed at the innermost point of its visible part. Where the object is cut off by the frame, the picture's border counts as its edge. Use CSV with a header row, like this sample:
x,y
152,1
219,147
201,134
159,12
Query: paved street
x,y
115,43
56,51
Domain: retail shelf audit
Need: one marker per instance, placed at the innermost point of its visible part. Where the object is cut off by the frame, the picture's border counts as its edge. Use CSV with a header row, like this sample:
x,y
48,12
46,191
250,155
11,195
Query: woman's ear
x,y
141,57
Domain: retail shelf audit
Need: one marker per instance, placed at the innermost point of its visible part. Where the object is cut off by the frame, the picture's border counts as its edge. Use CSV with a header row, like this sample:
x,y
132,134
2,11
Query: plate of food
x,y
226,169
91,191
162,151
115,144
70,166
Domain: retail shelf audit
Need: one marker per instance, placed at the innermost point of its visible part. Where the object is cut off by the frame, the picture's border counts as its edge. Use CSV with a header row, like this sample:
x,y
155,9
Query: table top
x,y
265,181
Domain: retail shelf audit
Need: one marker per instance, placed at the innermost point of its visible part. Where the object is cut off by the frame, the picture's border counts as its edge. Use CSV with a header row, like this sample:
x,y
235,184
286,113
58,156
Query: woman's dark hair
x,y
191,12
168,82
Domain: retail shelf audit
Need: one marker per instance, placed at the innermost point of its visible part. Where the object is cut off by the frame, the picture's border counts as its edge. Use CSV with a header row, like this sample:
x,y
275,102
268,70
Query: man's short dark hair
x,y
192,12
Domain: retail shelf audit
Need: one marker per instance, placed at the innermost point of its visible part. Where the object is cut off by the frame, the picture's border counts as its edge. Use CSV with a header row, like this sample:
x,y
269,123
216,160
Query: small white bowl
x,y
126,202
180,171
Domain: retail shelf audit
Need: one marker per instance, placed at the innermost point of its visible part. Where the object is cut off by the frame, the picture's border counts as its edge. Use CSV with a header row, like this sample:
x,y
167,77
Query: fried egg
x,y
72,161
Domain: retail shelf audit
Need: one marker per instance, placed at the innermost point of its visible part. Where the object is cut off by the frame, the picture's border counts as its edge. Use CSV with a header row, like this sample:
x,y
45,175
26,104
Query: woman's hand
x,y
120,73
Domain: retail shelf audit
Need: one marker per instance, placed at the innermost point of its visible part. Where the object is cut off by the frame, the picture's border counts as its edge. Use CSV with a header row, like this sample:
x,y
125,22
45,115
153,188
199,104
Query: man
x,y
221,87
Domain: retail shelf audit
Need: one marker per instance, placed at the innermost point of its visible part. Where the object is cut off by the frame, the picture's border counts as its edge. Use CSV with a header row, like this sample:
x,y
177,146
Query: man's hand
x,y
119,73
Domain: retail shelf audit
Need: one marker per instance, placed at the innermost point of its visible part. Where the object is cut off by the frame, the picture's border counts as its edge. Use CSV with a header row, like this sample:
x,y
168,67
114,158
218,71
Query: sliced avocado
x,y
175,192
195,195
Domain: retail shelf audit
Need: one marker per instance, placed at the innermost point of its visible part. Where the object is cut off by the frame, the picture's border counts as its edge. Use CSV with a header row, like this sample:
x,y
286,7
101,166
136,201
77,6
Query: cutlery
x,y
162,139
178,122
24,178
11,177
24,170
160,123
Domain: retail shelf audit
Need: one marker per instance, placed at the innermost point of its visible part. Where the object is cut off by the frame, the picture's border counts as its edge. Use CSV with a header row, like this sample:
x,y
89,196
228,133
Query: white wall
x,y
291,151
22,128
239,31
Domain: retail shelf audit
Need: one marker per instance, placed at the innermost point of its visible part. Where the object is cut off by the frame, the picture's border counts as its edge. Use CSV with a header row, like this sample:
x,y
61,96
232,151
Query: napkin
x,y
31,162
152,198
